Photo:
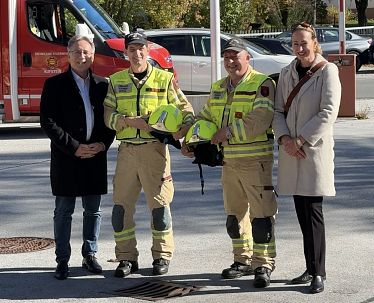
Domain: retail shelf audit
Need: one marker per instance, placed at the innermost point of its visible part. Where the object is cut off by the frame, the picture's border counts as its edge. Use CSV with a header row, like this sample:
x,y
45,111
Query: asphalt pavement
x,y
203,248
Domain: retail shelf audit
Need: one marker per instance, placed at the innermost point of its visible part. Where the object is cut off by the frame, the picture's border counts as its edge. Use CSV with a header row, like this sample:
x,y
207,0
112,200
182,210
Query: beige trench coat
x,y
311,115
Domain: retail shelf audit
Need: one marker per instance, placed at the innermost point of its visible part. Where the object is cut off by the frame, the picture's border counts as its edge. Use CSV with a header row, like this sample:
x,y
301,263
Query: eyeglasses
x,y
77,53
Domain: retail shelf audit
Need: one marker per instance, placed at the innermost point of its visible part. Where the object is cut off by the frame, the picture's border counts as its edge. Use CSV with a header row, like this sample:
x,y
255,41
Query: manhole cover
x,y
17,245
157,290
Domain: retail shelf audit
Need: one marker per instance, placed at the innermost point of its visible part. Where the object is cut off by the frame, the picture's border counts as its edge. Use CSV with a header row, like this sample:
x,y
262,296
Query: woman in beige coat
x,y
305,136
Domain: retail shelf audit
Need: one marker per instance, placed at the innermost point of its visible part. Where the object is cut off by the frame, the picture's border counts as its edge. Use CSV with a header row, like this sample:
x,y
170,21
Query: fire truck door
x,y
42,49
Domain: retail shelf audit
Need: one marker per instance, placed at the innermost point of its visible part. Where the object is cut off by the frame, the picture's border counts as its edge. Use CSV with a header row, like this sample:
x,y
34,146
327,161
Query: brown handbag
x,y
296,89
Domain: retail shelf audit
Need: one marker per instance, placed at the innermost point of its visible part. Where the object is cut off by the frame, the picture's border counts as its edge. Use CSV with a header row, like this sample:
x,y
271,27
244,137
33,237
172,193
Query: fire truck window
x,y
70,23
45,21
32,13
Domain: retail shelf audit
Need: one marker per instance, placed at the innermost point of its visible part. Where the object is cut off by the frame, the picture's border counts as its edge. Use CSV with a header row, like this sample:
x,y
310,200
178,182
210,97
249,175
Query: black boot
x,y
125,268
262,277
160,266
237,270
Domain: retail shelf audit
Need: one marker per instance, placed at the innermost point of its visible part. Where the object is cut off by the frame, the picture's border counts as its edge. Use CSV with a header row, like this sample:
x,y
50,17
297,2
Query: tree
x,y
361,6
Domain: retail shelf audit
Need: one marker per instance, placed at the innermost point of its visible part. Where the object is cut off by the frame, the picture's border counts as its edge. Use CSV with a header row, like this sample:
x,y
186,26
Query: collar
x,y
79,78
227,81
149,69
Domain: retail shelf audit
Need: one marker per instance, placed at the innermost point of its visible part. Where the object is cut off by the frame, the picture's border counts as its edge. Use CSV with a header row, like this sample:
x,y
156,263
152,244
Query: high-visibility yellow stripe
x,y
126,234
248,151
263,102
113,120
244,241
159,235
239,130
267,249
110,100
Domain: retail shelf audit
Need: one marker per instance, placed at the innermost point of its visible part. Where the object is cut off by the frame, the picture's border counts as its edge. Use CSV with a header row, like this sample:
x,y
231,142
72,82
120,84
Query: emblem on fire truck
x,y
52,62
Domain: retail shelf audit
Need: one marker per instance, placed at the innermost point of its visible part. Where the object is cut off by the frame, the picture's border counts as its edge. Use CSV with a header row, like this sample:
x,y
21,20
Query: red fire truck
x,y
33,41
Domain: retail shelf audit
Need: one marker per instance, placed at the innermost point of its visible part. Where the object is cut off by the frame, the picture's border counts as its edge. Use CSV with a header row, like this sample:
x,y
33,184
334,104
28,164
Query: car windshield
x,y
99,18
252,46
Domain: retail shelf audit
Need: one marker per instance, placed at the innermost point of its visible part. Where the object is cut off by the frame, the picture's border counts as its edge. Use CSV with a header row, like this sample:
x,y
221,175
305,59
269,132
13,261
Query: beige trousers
x,y
147,167
248,196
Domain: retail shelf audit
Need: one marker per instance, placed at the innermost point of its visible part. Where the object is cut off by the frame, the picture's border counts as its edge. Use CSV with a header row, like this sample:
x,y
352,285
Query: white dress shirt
x,y
84,89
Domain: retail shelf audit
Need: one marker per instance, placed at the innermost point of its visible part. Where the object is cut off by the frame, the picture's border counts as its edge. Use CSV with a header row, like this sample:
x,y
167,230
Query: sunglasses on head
x,y
303,24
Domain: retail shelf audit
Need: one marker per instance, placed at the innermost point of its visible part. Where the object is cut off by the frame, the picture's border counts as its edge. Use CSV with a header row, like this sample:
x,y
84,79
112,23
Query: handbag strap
x,y
304,79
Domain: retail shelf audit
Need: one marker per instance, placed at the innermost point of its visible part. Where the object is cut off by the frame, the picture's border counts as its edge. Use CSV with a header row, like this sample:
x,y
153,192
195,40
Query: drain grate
x,y
157,290
17,245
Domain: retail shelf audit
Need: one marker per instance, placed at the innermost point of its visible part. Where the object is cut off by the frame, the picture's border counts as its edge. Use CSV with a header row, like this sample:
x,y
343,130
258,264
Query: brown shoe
x,y
90,263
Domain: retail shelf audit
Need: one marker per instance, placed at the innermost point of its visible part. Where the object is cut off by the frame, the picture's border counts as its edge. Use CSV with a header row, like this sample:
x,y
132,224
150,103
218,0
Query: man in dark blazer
x,y
71,114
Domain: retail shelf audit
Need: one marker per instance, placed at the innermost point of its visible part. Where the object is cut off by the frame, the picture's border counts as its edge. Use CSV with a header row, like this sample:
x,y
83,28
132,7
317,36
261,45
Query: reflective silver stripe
x,y
18,96
246,100
215,103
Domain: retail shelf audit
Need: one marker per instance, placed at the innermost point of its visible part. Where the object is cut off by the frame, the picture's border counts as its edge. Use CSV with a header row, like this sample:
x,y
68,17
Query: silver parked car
x,y
328,37
190,51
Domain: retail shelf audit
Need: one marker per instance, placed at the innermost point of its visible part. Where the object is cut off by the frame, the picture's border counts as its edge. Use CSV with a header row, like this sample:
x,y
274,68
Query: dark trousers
x,y
64,209
310,216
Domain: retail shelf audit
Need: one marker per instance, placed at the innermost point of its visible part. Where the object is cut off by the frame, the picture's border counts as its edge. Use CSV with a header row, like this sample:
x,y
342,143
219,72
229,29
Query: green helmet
x,y
166,118
201,131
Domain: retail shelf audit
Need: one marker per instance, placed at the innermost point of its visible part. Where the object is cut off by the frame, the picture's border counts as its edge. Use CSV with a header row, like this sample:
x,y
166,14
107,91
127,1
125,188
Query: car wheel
x,y
358,61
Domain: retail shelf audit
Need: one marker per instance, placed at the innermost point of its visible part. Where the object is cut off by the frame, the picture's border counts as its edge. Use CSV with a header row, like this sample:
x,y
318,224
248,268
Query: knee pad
x,y
262,230
117,217
232,227
161,218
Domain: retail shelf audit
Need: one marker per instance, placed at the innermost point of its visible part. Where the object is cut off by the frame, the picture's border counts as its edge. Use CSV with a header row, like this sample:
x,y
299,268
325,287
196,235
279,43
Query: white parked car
x,y
190,51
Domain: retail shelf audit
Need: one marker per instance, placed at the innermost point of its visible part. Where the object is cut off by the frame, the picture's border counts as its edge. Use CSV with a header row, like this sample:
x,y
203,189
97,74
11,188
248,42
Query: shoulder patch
x,y
264,90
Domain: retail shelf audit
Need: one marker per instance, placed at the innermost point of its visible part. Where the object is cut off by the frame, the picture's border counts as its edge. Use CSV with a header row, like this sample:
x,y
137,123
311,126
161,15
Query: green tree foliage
x,y
321,12
361,6
236,15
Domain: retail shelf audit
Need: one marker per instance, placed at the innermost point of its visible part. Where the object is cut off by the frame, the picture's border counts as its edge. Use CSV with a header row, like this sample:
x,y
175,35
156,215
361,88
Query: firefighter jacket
x,y
232,109
127,96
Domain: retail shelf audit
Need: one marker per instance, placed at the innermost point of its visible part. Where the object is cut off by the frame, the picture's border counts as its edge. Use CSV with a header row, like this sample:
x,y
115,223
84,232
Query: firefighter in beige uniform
x,y
143,161
241,105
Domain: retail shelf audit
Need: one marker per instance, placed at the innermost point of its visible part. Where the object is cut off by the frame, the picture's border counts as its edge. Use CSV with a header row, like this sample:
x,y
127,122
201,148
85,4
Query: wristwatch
x,y
299,143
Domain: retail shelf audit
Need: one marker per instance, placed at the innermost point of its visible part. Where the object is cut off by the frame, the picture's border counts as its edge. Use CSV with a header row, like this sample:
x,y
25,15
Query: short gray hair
x,y
77,38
